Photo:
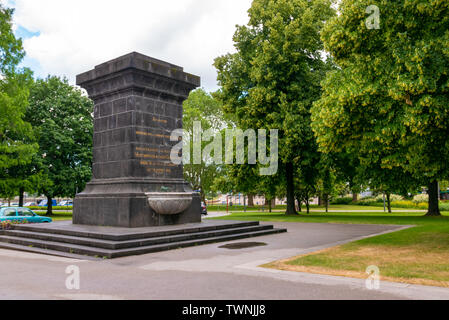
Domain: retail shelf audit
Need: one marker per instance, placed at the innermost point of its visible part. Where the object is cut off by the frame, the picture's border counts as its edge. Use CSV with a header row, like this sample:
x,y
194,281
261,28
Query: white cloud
x,y
76,35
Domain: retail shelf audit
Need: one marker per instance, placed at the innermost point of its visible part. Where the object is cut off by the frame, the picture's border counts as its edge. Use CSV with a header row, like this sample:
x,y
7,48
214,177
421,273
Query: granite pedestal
x,y
138,103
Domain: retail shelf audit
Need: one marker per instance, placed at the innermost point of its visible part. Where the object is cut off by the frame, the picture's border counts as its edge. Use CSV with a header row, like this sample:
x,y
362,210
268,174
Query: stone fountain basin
x,y
169,203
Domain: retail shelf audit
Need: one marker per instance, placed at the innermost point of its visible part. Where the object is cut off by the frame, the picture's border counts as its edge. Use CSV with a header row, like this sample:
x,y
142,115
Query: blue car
x,y
21,214
44,203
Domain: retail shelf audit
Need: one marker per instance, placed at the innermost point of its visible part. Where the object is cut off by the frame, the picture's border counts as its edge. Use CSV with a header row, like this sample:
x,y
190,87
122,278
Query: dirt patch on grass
x,y
417,265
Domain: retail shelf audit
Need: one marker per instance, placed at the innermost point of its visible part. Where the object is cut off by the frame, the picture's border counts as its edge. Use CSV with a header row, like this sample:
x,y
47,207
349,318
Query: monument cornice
x,y
137,61
129,90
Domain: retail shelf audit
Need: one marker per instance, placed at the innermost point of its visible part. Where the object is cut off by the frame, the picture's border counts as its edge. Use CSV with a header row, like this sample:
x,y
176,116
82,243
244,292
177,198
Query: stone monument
x,y
138,103
137,201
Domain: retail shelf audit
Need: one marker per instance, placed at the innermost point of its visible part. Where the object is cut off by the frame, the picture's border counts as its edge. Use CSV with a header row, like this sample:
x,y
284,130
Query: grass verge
x,y
59,216
419,255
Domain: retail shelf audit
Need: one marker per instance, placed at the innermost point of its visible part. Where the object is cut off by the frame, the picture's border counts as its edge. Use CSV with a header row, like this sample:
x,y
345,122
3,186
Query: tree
x,y
11,50
273,79
20,179
346,168
391,89
307,179
393,180
204,109
237,178
62,118
17,145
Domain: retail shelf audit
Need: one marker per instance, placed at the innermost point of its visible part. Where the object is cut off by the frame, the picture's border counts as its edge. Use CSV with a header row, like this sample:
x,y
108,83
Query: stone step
x,y
191,243
27,244
57,246
17,247
132,234
115,245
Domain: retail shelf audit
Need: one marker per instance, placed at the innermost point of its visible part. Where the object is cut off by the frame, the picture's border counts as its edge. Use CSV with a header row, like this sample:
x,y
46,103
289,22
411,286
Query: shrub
x,y
345,200
8,225
54,208
368,201
407,204
420,198
423,205
393,197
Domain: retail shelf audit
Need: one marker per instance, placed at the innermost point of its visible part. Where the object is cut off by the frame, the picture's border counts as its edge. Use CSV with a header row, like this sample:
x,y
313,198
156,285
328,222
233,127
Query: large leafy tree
x,y
273,79
203,109
62,118
388,180
17,145
391,91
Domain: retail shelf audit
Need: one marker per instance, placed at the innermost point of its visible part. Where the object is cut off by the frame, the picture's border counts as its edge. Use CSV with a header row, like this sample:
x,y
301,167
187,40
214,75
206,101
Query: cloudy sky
x,y
67,37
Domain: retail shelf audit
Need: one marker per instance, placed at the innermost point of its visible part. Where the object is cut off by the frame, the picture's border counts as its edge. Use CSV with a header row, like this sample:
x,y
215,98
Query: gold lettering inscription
x,y
160,120
152,156
159,171
147,134
156,164
152,150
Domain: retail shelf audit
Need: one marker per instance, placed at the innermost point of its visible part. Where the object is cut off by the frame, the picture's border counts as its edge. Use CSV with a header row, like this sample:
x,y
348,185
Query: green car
x,y
18,215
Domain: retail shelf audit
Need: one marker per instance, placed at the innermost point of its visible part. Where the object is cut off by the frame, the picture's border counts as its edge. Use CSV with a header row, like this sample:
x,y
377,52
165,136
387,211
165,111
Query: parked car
x,y
65,203
14,204
44,203
203,209
30,204
21,214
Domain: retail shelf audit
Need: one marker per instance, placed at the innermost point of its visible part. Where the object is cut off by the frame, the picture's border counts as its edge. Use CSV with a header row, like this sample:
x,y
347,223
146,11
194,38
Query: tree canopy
x,y
17,145
62,119
203,109
273,79
390,92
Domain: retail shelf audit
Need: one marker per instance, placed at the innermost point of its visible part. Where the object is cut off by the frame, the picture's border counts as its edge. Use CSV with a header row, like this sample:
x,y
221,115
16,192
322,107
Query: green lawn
x,y
339,207
58,216
416,255
337,217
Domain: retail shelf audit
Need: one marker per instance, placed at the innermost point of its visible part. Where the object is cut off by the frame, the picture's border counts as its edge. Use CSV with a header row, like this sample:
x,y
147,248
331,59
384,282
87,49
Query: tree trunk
x,y
49,206
326,198
434,209
355,197
308,205
270,207
250,200
389,202
21,192
299,204
203,196
289,171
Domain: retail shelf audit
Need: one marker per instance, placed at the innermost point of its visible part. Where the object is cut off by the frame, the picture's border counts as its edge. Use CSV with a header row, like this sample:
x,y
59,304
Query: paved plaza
x,y
205,272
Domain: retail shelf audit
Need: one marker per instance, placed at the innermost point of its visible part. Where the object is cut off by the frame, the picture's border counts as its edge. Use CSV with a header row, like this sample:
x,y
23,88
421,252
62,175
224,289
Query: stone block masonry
x,y
138,103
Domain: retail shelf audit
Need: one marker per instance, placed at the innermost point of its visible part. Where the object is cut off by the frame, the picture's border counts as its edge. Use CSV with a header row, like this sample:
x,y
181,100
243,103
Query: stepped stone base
x,y
125,204
70,240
